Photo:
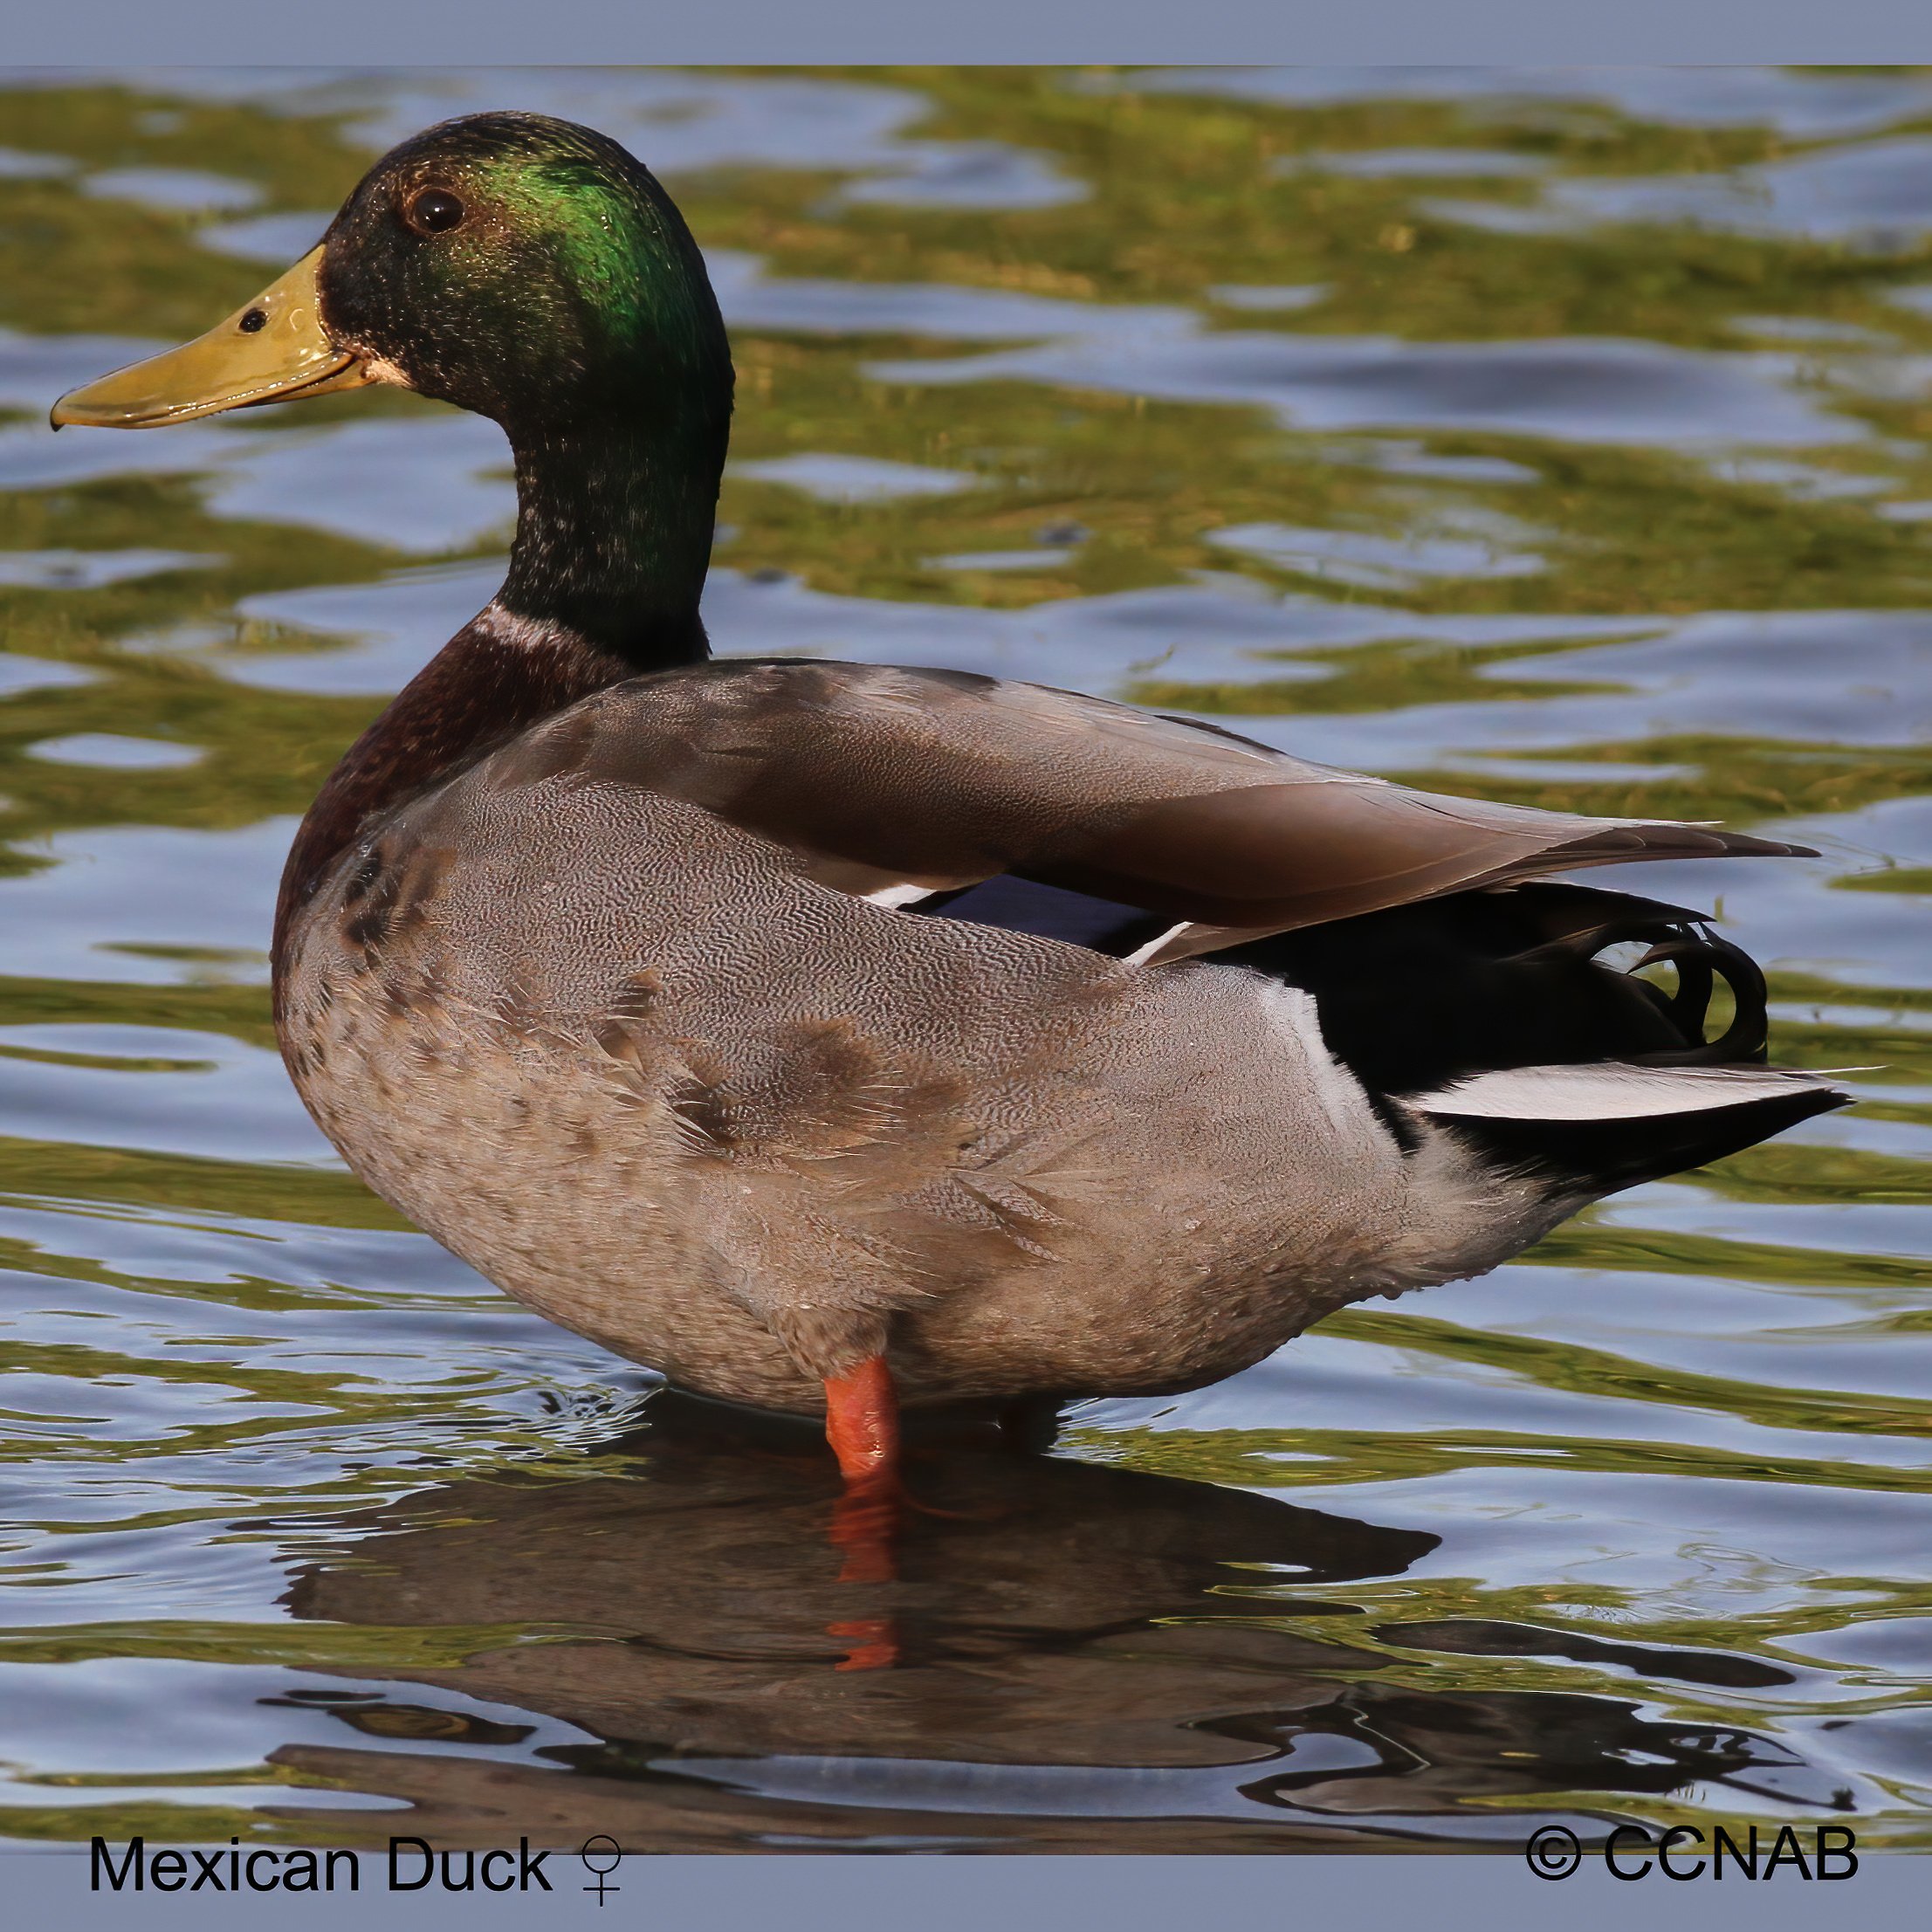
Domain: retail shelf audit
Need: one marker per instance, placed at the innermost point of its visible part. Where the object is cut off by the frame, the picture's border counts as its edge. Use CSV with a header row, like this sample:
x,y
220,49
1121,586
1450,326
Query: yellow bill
x,y
273,349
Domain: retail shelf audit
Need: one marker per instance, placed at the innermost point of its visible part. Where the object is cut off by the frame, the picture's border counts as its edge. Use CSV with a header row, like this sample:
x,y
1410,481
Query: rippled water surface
x,y
1561,438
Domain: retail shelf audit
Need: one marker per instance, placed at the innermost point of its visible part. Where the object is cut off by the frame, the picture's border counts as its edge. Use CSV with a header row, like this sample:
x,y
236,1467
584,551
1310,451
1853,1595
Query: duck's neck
x,y
614,532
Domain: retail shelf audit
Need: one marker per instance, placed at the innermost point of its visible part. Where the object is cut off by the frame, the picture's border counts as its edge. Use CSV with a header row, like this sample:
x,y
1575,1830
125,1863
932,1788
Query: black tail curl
x,y
1421,995
1416,998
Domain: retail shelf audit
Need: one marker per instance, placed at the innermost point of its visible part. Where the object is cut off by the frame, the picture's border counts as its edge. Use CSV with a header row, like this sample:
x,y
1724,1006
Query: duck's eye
x,y
432,211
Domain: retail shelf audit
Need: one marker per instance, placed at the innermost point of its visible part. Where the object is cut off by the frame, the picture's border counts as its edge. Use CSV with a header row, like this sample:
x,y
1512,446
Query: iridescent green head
x,y
532,271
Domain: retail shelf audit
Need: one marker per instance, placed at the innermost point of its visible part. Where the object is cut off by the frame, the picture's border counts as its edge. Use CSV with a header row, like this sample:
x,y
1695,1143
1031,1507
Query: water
x,y
1565,438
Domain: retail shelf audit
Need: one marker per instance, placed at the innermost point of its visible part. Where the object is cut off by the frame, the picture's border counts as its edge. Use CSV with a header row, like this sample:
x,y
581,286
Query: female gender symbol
x,y
615,1854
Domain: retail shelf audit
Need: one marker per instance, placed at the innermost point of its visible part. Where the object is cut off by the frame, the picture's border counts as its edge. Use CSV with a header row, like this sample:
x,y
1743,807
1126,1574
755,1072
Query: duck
x,y
831,1037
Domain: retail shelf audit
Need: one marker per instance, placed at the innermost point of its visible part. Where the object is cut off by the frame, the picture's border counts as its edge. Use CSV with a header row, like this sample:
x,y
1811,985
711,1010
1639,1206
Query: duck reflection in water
x,y
1068,1657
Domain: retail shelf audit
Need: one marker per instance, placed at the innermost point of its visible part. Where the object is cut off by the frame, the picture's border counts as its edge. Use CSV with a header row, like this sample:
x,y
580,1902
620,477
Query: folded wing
x,y
891,783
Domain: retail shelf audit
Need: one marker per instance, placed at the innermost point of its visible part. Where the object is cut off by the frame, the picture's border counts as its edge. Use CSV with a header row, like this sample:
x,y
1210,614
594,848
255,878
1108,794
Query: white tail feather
x,y
1611,1089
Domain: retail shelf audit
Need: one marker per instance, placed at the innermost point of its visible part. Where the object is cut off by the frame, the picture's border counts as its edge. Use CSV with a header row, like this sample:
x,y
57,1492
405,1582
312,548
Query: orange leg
x,y
861,1423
